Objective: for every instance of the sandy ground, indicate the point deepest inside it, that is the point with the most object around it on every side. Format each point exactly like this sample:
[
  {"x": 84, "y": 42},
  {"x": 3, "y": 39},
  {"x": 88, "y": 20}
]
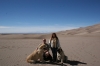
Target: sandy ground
[{"x": 81, "y": 51}]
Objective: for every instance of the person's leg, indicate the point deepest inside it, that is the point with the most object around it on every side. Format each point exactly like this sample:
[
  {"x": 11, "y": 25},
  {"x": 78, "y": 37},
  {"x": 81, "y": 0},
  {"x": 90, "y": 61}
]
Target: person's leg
[
  {"x": 44, "y": 56},
  {"x": 54, "y": 53},
  {"x": 52, "y": 49},
  {"x": 50, "y": 58}
]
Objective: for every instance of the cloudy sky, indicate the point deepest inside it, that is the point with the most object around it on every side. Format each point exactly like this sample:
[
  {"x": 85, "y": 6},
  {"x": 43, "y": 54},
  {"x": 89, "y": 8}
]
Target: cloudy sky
[{"x": 29, "y": 16}]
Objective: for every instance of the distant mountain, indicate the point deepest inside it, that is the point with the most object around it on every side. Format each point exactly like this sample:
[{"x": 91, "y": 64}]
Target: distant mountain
[{"x": 89, "y": 30}]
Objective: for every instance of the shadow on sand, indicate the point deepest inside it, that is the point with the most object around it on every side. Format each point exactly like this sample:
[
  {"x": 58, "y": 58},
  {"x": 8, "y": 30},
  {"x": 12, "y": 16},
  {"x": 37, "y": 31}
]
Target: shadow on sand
[
  {"x": 71, "y": 62},
  {"x": 51, "y": 63},
  {"x": 74, "y": 63}
]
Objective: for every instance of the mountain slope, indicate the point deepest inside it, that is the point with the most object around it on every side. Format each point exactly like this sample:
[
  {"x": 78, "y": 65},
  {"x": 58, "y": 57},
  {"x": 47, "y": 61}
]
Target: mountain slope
[{"x": 89, "y": 30}]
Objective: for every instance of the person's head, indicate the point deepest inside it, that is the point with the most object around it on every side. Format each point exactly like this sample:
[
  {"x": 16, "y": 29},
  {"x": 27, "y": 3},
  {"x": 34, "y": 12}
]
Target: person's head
[
  {"x": 54, "y": 36},
  {"x": 44, "y": 40}
]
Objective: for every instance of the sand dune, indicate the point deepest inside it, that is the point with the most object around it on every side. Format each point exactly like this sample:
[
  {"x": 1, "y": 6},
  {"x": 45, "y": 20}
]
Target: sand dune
[
  {"x": 81, "y": 46},
  {"x": 89, "y": 30}
]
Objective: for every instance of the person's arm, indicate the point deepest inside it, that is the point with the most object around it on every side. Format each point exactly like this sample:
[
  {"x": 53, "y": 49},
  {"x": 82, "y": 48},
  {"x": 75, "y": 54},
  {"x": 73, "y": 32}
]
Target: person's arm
[
  {"x": 49, "y": 43},
  {"x": 59, "y": 44}
]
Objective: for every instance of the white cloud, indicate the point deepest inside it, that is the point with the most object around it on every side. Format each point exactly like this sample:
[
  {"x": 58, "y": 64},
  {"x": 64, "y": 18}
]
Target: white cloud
[
  {"x": 33, "y": 29},
  {"x": 4, "y": 27}
]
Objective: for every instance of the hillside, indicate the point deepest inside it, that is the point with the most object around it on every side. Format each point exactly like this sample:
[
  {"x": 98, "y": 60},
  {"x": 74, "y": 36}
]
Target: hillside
[{"x": 89, "y": 30}]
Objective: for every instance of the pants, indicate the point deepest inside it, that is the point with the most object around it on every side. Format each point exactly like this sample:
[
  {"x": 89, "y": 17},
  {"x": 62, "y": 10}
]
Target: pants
[
  {"x": 54, "y": 54},
  {"x": 46, "y": 58}
]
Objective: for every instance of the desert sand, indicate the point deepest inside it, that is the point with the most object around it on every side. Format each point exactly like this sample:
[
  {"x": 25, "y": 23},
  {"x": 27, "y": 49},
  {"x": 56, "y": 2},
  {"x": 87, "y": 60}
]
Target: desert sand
[{"x": 82, "y": 49}]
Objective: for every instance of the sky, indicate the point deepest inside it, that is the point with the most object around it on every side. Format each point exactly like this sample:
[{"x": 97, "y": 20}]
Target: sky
[{"x": 42, "y": 16}]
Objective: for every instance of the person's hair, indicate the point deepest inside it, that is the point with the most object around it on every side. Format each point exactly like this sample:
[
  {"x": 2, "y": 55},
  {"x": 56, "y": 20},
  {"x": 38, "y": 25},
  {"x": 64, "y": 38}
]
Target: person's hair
[
  {"x": 44, "y": 39},
  {"x": 54, "y": 37}
]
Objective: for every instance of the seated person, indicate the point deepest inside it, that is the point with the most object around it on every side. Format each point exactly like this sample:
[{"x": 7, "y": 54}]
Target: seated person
[{"x": 46, "y": 54}]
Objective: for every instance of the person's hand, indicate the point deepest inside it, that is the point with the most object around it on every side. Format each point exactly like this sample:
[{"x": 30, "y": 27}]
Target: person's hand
[
  {"x": 47, "y": 53},
  {"x": 45, "y": 50}
]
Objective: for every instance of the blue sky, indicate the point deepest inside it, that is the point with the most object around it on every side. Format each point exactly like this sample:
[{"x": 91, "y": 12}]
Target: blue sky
[{"x": 29, "y": 16}]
